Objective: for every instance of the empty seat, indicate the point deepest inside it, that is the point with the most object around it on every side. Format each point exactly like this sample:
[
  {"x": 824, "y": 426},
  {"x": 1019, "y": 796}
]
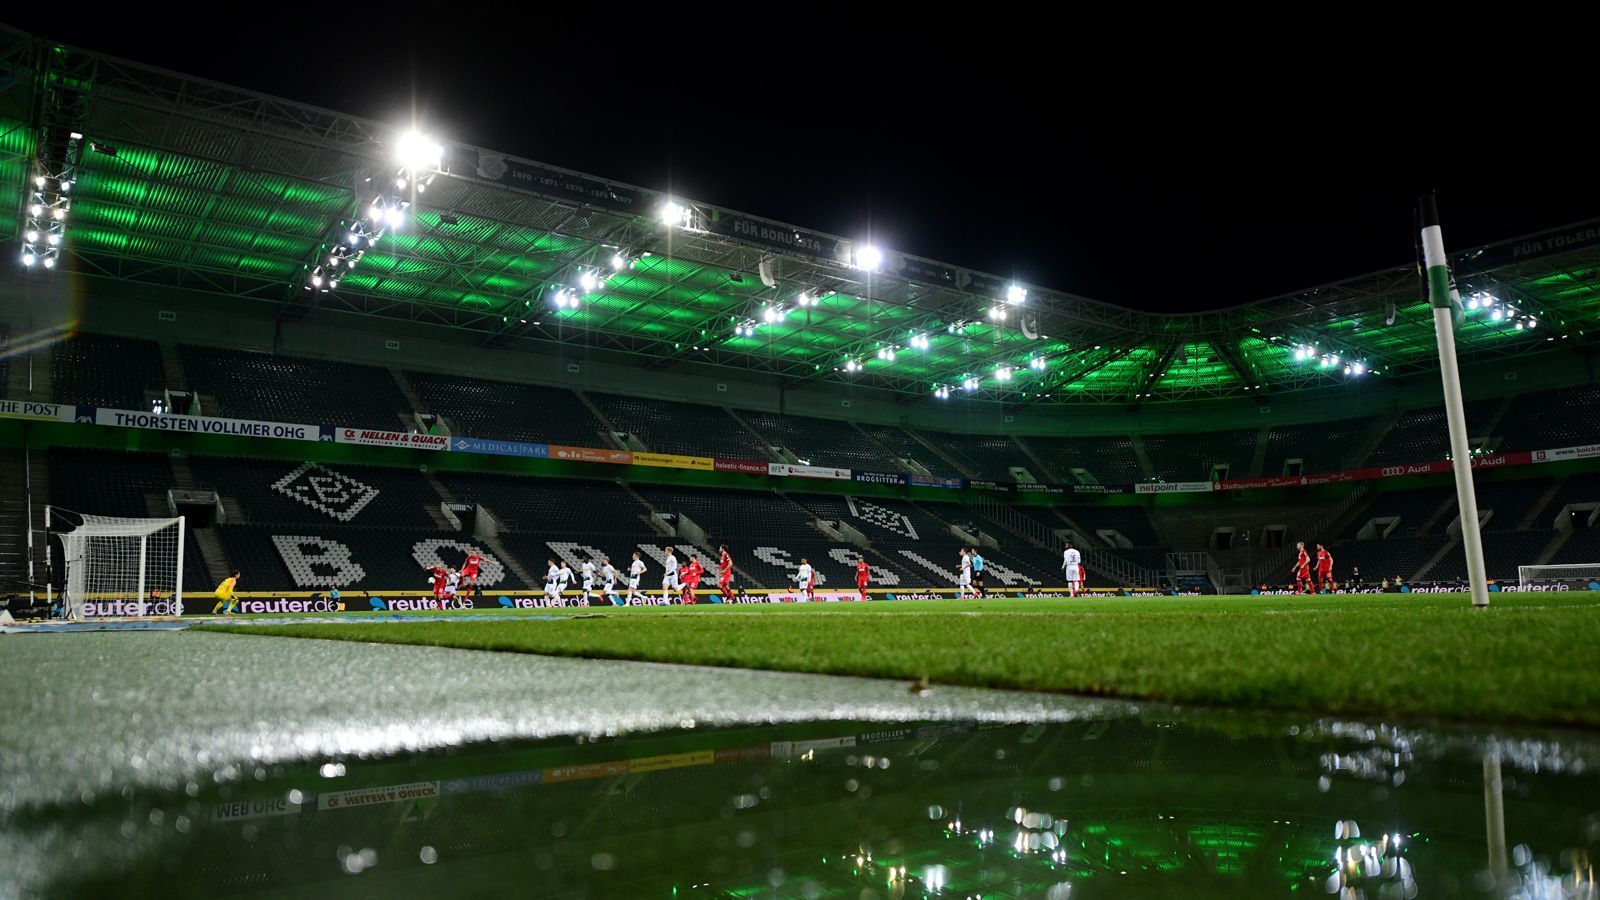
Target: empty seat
[
  {"x": 99, "y": 370},
  {"x": 274, "y": 388},
  {"x": 508, "y": 410}
]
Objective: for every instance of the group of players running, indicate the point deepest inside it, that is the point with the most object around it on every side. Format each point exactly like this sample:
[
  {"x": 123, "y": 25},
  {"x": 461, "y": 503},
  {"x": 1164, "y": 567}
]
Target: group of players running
[{"x": 597, "y": 579}]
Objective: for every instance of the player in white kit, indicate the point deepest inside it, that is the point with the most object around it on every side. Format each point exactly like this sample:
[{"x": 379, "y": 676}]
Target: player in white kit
[
  {"x": 965, "y": 583},
  {"x": 635, "y": 572},
  {"x": 452, "y": 580},
  {"x": 669, "y": 578},
  {"x": 609, "y": 573},
  {"x": 1072, "y": 569},
  {"x": 806, "y": 578},
  {"x": 587, "y": 572},
  {"x": 565, "y": 574},
  {"x": 552, "y": 584}
]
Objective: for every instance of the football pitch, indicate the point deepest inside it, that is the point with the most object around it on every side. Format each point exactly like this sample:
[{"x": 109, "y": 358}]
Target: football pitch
[{"x": 1532, "y": 658}]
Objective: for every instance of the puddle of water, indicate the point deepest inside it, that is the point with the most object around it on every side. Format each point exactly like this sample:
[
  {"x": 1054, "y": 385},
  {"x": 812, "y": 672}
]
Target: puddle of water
[{"x": 1166, "y": 804}]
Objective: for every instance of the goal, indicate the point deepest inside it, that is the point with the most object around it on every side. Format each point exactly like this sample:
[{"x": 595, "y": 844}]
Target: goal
[
  {"x": 1578, "y": 575},
  {"x": 113, "y": 566}
]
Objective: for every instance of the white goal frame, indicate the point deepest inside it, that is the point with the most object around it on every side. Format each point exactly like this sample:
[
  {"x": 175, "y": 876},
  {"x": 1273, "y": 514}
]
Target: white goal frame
[
  {"x": 1568, "y": 572},
  {"x": 113, "y": 558}
]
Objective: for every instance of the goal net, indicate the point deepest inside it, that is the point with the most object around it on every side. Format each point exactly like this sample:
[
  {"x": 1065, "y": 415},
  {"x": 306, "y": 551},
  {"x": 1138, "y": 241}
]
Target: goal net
[
  {"x": 115, "y": 566},
  {"x": 1573, "y": 576}
]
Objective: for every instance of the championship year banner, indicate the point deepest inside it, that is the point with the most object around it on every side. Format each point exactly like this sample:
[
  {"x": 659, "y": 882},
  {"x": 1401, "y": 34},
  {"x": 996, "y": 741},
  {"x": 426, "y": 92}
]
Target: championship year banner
[
  {"x": 127, "y": 418},
  {"x": 670, "y": 461},
  {"x": 376, "y": 438}
]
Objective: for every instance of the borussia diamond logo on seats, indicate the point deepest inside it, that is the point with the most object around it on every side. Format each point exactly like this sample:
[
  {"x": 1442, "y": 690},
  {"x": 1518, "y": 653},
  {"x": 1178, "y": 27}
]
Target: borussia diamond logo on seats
[
  {"x": 887, "y": 519},
  {"x": 333, "y": 493}
]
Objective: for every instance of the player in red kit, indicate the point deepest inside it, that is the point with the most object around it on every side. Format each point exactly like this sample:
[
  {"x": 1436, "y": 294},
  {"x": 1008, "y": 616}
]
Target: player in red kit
[
  {"x": 1302, "y": 569},
  {"x": 469, "y": 571},
  {"x": 1324, "y": 569},
  {"x": 437, "y": 576},
  {"x": 691, "y": 579},
  {"x": 863, "y": 574},
  {"x": 725, "y": 575}
]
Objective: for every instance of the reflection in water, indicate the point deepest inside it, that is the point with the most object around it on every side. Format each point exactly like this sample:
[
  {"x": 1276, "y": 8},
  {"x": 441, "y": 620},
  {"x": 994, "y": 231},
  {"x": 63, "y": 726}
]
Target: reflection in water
[{"x": 1167, "y": 805}]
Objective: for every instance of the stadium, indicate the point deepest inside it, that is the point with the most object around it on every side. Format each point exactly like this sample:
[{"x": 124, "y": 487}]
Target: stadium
[{"x": 385, "y": 515}]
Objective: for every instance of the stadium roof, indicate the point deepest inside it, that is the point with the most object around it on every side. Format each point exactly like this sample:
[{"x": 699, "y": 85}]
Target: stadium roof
[{"x": 182, "y": 183}]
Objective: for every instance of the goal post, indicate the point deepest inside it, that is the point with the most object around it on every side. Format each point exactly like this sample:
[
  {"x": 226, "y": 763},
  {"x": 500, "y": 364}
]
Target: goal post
[
  {"x": 1569, "y": 574},
  {"x": 117, "y": 566}
]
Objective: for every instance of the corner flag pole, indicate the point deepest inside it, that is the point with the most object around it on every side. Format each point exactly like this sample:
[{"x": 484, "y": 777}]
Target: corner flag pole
[{"x": 1444, "y": 300}]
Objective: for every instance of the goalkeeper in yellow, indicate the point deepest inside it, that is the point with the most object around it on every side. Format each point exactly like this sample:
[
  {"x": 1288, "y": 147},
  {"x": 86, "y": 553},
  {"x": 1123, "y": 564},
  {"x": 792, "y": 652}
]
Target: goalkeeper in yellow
[{"x": 225, "y": 596}]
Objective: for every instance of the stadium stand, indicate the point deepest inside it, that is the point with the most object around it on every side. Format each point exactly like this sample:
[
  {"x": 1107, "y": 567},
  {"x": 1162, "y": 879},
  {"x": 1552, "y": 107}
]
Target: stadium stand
[
  {"x": 1413, "y": 508},
  {"x": 904, "y": 446},
  {"x": 1581, "y": 548},
  {"x": 1110, "y": 460},
  {"x": 1563, "y": 418},
  {"x": 1131, "y": 521},
  {"x": 114, "y": 372},
  {"x": 273, "y": 388},
  {"x": 686, "y": 429},
  {"x": 509, "y": 410},
  {"x": 1511, "y": 501},
  {"x": 1420, "y": 435},
  {"x": 988, "y": 456},
  {"x": 821, "y": 442},
  {"x": 1190, "y": 457},
  {"x": 1503, "y": 552},
  {"x": 552, "y": 506},
  {"x": 1579, "y": 488},
  {"x": 317, "y": 557},
  {"x": 276, "y": 492},
  {"x": 1321, "y": 446},
  {"x": 1390, "y": 558},
  {"x": 728, "y": 516}
]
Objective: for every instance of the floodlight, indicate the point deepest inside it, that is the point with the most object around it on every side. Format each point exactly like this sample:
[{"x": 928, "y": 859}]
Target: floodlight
[
  {"x": 33, "y": 235},
  {"x": 1497, "y": 315},
  {"x": 49, "y": 262},
  {"x": 1016, "y": 293},
  {"x": 27, "y": 257},
  {"x": 588, "y": 281},
  {"x": 868, "y": 257},
  {"x": 39, "y": 182},
  {"x": 417, "y": 152},
  {"x": 618, "y": 261},
  {"x": 671, "y": 214}
]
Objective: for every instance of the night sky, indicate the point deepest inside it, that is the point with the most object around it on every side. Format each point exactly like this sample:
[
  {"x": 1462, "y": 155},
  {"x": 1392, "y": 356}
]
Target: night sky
[{"x": 1160, "y": 173}]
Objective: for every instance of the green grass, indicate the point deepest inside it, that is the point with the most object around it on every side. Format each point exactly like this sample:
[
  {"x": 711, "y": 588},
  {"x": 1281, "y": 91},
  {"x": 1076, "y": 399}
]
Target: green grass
[{"x": 1529, "y": 658}]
